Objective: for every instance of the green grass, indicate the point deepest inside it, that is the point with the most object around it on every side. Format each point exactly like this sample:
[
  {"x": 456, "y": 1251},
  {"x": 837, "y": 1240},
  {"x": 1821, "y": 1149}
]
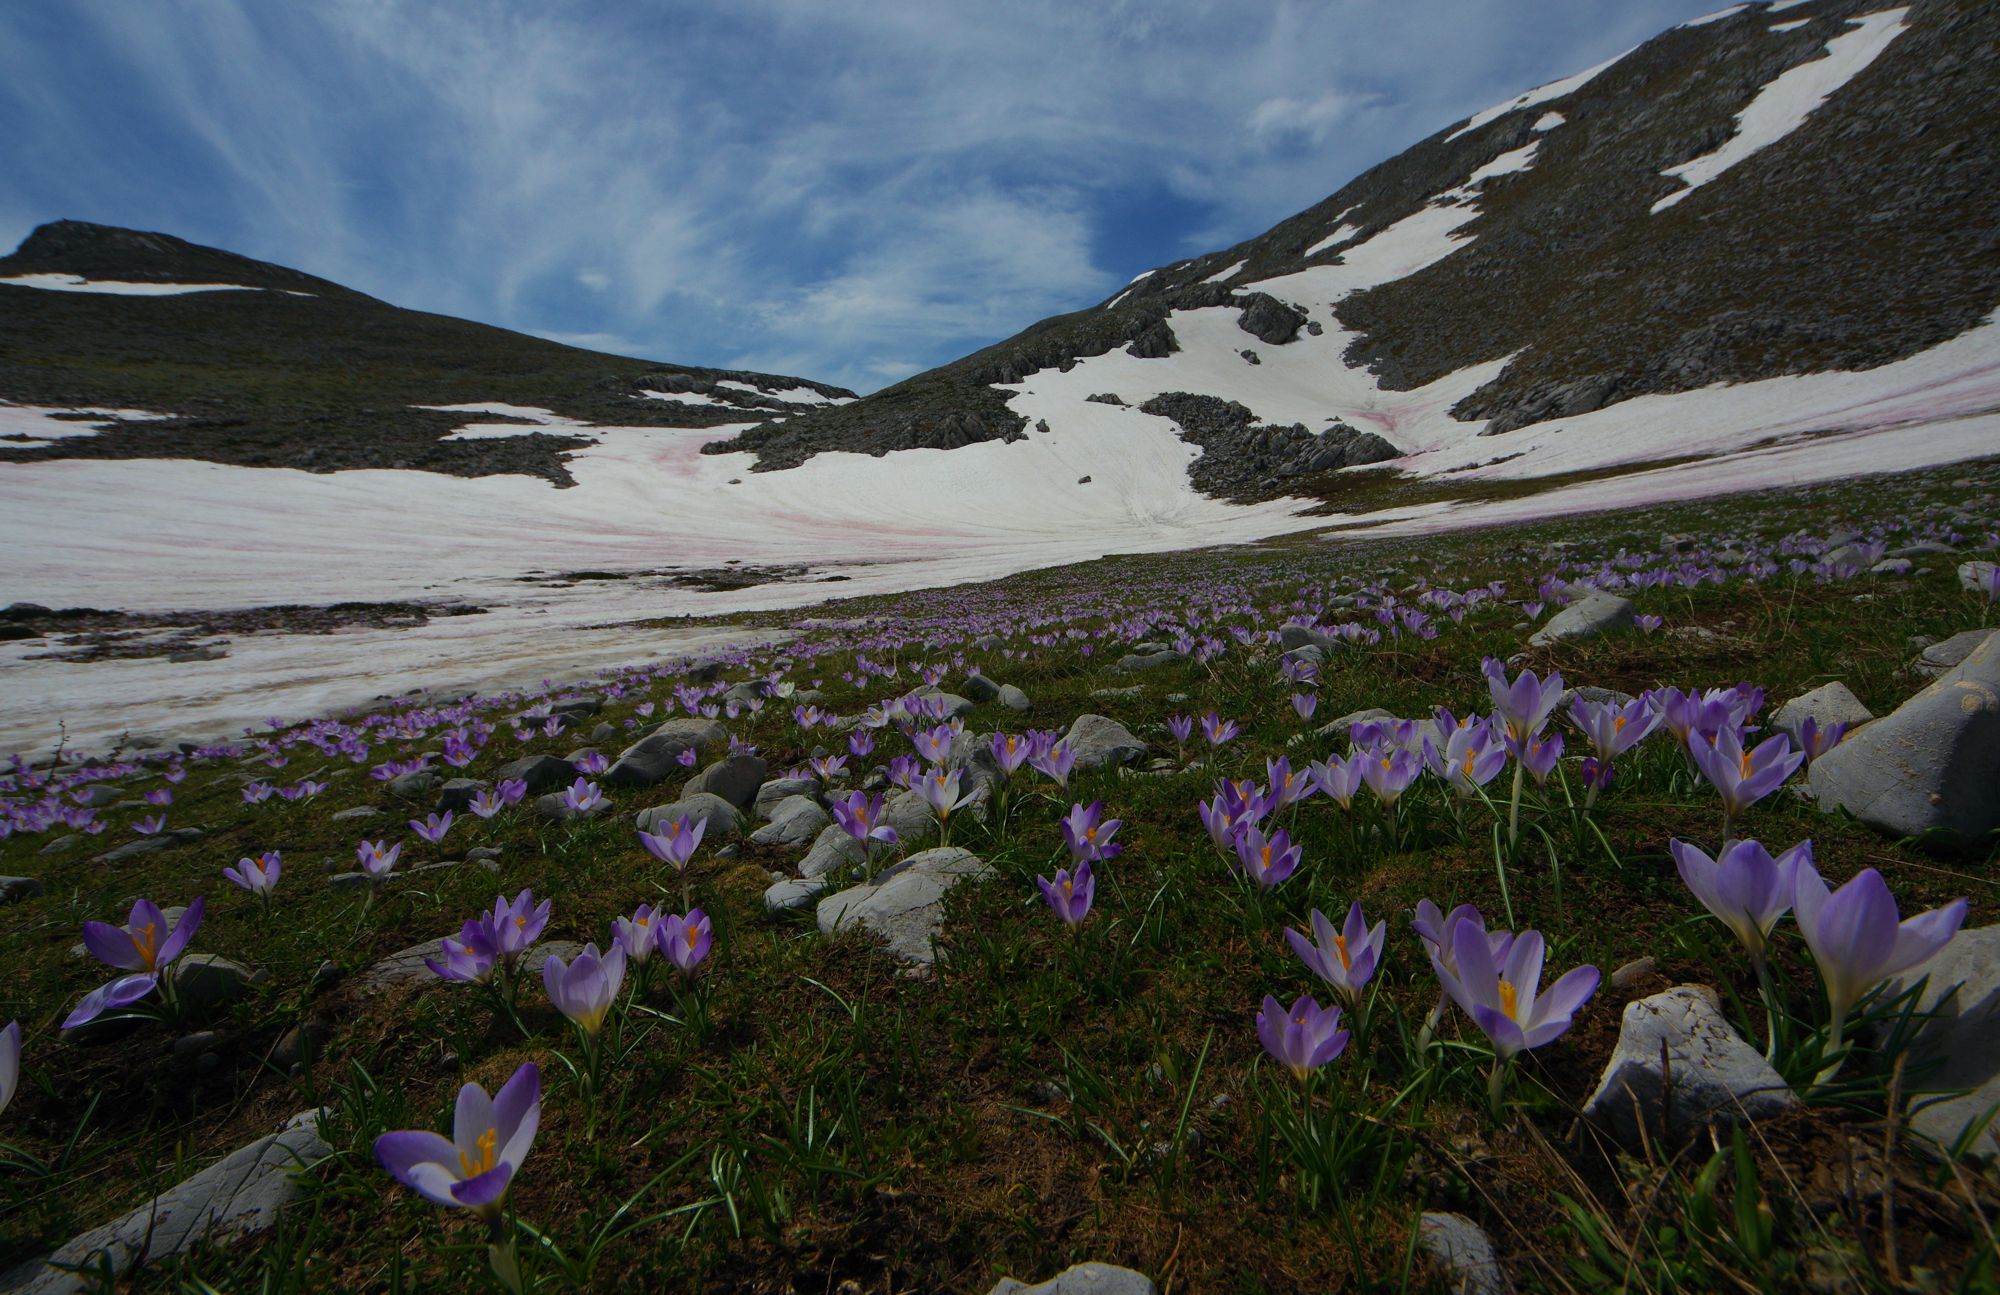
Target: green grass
[{"x": 1043, "y": 1099}]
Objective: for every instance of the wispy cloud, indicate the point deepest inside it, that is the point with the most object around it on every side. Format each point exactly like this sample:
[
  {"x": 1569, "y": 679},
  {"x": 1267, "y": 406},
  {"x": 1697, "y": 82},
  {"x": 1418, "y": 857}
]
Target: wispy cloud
[{"x": 848, "y": 192}]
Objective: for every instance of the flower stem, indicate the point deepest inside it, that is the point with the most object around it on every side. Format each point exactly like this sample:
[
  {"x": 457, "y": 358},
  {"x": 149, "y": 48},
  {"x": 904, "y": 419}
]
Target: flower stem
[
  {"x": 1496, "y": 1084},
  {"x": 1773, "y": 1010},
  {"x": 1514, "y": 811}
]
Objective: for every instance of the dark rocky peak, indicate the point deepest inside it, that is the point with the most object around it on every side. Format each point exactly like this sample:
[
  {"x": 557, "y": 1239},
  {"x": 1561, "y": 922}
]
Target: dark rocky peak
[{"x": 136, "y": 256}]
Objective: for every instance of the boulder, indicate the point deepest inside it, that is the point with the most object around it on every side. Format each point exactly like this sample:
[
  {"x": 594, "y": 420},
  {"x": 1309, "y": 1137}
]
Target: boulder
[
  {"x": 1462, "y": 1248},
  {"x": 1014, "y": 699},
  {"x": 1940, "y": 657},
  {"x": 146, "y": 845},
  {"x": 779, "y": 790},
  {"x": 1710, "y": 1074},
  {"x": 1082, "y": 1279},
  {"x": 656, "y": 757},
  {"x": 1931, "y": 764},
  {"x": 552, "y": 806},
  {"x": 457, "y": 793},
  {"x": 904, "y": 904},
  {"x": 540, "y": 772},
  {"x": 406, "y": 966},
  {"x": 1099, "y": 741},
  {"x": 1975, "y": 577},
  {"x": 979, "y": 688},
  {"x": 795, "y": 822},
  {"x": 736, "y": 779},
  {"x": 238, "y": 1196},
  {"x": 911, "y": 816},
  {"x": 1596, "y": 613},
  {"x": 205, "y": 981},
  {"x": 833, "y": 848},
  {"x": 414, "y": 785},
  {"x": 1150, "y": 660},
  {"x": 15, "y": 889},
  {"x": 1827, "y": 705},
  {"x": 1956, "y": 1054},
  {"x": 793, "y": 893},
  {"x": 724, "y": 819}
]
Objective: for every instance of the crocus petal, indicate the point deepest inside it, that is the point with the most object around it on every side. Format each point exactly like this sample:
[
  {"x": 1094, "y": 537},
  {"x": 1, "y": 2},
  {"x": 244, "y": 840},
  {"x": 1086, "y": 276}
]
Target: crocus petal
[
  {"x": 1506, "y": 1035},
  {"x": 472, "y": 1120},
  {"x": 421, "y": 1161},
  {"x": 122, "y": 992},
  {"x": 183, "y": 931},
  {"x": 517, "y": 1112},
  {"x": 111, "y": 946},
  {"x": 1923, "y": 935},
  {"x": 483, "y": 1190}
]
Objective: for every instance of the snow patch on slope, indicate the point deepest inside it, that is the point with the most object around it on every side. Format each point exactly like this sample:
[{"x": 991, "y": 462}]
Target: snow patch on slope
[
  {"x": 1229, "y": 273},
  {"x": 35, "y": 427},
  {"x": 1717, "y": 16},
  {"x": 77, "y": 283},
  {"x": 1783, "y": 106},
  {"x": 1540, "y": 94}
]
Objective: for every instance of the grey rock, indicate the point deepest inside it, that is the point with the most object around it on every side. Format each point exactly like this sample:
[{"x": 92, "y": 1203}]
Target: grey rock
[
  {"x": 1014, "y": 699},
  {"x": 1596, "y": 613},
  {"x": 1975, "y": 577},
  {"x": 403, "y": 872},
  {"x": 1711, "y": 1074},
  {"x": 793, "y": 894},
  {"x": 15, "y": 889},
  {"x": 979, "y": 688},
  {"x": 1601, "y": 696},
  {"x": 1112, "y": 694},
  {"x": 736, "y": 779},
  {"x": 904, "y": 904},
  {"x": 356, "y": 814},
  {"x": 832, "y": 849},
  {"x": 146, "y": 845},
  {"x": 911, "y": 816},
  {"x": 1827, "y": 705},
  {"x": 1632, "y": 972},
  {"x": 457, "y": 794},
  {"x": 406, "y": 966},
  {"x": 1922, "y": 549},
  {"x": 1891, "y": 567},
  {"x": 540, "y": 772},
  {"x": 1150, "y": 661},
  {"x": 98, "y": 795},
  {"x": 61, "y": 845},
  {"x": 483, "y": 854},
  {"x": 1962, "y": 1040},
  {"x": 1342, "y": 728},
  {"x": 1931, "y": 764},
  {"x": 724, "y": 819},
  {"x": 414, "y": 785},
  {"x": 779, "y": 790},
  {"x": 1293, "y": 637},
  {"x": 956, "y": 707},
  {"x": 551, "y": 805},
  {"x": 1940, "y": 657},
  {"x": 239, "y": 1196},
  {"x": 656, "y": 757},
  {"x": 1082, "y": 1279},
  {"x": 796, "y": 821},
  {"x": 1100, "y": 741},
  {"x": 189, "y": 1045},
  {"x": 205, "y": 981},
  {"x": 1462, "y": 1248}
]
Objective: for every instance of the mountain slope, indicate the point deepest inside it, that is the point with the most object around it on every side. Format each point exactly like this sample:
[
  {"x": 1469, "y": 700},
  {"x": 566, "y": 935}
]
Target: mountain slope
[
  {"x": 258, "y": 365},
  {"x": 1549, "y": 258}
]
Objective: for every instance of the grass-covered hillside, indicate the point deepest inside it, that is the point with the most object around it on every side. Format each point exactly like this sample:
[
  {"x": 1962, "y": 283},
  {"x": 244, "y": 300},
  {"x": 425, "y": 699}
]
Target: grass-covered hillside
[{"x": 992, "y": 1090}]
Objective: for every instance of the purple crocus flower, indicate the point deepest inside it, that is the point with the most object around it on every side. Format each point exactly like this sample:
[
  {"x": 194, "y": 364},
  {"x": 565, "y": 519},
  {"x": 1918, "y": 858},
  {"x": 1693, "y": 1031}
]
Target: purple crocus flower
[
  {"x": 1646, "y": 622},
  {"x": 511, "y": 790},
  {"x": 256, "y": 793},
  {"x": 584, "y": 990},
  {"x": 1056, "y": 762},
  {"x": 1181, "y": 727},
  {"x": 686, "y": 940},
  {"x": 512, "y": 928},
  {"x": 860, "y": 743},
  {"x": 470, "y": 957},
  {"x": 1816, "y": 741},
  {"x": 1345, "y": 959},
  {"x": 1287, "y": 786},
  {"x": 1387, "y": 772},
  {"x": 1470, "y": 759},
  {"x": 939, "y": 789},
  {"x": 159, "y": 796},
  {"x": 1858, "y": 939},
  {"x": 590, "y": 763},
  {"x": 1218, "y": 730},
  {"x": 1088, "y": 835},
  {"x": 1440, "y": 939},
  {"x": 1268, "y": 860},
  {"x": 1744, "y": 777},
  {"x": 10, "y": 1063},
  {"x": 1523, "y": 705},
  {"x": 144, "y": 946},
  {"x": 490, "y": 1139},
  {"x": 432, "y": 827},
  {"x": 1538, "y": 755},
  {"x": 582, "y": 796},
  {"x": 1614, "y": 730},
  {"x": 686, "y": 758},
  {"x": 1302, "y": 1039},
  {"x": 1009, "y": 751},
  {"x": 151, "y": 825},
  {"x": 259, "y": 876},
  {"x": 1070, "y": 893},
  {"x": 1337, "y": 779},
  {"x": 1305, "y": 703},
  {"x": 1596, "y": 775},
  {"x": 637, "y": 935},
  {"x": 377, "y": 859},
  {"x": 675, "y": 843},
  {"x": 485, "y": 804},
  {"x": 1746, "y": 889},
  {"x": 828, "y": 767},
  {"x": 933, "y": 745},
  {"x": 1503, "y": 998},
  {"x": 860, "y": 816}
]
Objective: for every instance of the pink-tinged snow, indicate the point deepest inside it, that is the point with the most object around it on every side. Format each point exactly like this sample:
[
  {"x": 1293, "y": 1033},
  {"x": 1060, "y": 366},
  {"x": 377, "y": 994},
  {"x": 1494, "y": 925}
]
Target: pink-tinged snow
[
  {"x": 1548, "y": 121},
  {"x": 1226, "y": 274},
  {"x": 1539, "y": 95},
  {"x": 1340, "y": 234},
  {"x": 1717, "y": 16},
  {"x": 1783, "y": 106},
  {"x": 1793, "y": 25},
  {"x": 33, "y": 427},
  {"x": 77, "y": 283}
]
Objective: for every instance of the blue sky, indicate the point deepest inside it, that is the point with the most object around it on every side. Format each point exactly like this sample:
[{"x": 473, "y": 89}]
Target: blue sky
[{"x": 849, "y": 191}]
